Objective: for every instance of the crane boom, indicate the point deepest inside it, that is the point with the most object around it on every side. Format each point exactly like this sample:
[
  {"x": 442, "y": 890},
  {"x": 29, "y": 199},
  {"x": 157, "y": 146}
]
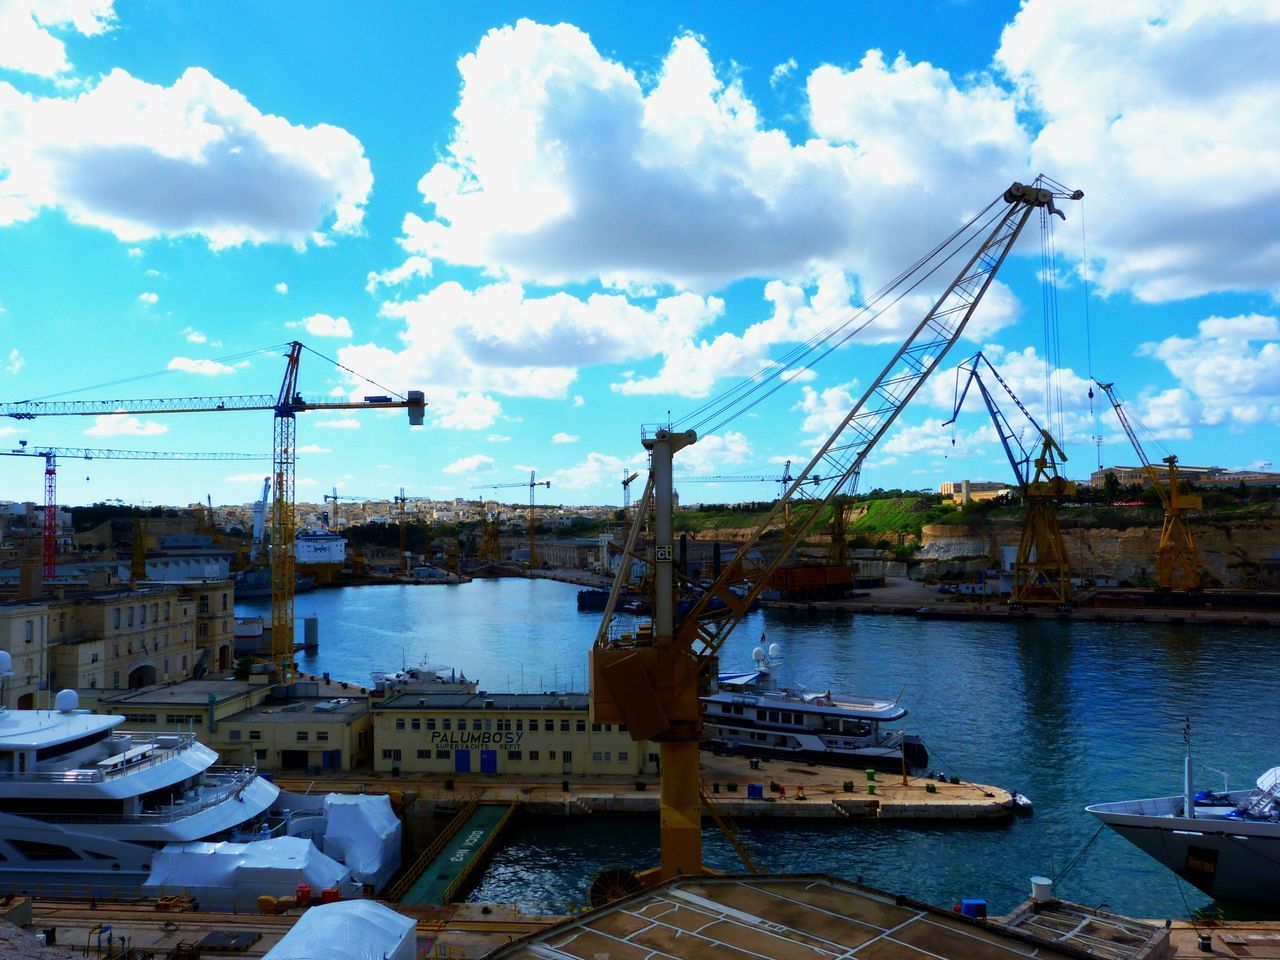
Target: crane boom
[
  {"x": 840, "y": 458},
  {"x": 1177, "y": 557},
  {"x": 650, "y": 680}
]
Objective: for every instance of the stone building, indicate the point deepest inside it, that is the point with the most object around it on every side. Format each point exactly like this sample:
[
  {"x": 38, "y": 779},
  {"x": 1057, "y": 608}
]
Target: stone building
[{"x": 509, "y": 735}]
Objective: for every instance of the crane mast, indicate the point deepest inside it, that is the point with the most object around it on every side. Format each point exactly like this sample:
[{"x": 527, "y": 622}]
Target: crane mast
[
  {"x": 1041, "y": 569},
  {"x": 1177, "y": 557},
  {"x": 650, "y": 680}
]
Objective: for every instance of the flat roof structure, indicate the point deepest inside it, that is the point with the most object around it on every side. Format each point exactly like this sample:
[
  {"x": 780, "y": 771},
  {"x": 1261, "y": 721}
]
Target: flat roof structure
[
  {"x": 186, "y": 693},
  {"x": 412, "y": 700},
  {"x": 338, "y": 709},
  {"x": 807, "y": 917}
]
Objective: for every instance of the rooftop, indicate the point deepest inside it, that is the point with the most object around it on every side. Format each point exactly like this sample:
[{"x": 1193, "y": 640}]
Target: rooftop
[
  {"x": 789, "y": 918},
  {"x": 481, "y": 701},
  {"x": 192, "y": 693},
  {"x": 303, "y": 710}
]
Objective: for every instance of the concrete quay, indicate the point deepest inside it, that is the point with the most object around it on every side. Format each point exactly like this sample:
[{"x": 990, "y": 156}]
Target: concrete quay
[{"x": 805, "y": 792}]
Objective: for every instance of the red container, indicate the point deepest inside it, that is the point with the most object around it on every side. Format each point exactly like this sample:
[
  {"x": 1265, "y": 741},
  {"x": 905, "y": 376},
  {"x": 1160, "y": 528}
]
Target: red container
[
  {"x": 304, "y": 894},
  {"x": 330, "y": 895}
]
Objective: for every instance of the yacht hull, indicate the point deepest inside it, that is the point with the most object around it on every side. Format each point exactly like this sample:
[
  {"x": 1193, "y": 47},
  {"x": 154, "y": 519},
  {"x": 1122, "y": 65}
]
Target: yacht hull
[{"x": 1228, "y": 859}]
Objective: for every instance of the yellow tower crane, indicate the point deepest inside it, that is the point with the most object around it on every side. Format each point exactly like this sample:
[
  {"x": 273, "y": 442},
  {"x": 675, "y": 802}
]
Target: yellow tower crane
[
  {"x": 1177, "y": 558},
  {"x": 1041, "y": 570},
  {"x": 285, "y": 406},
  {"x": 650, "y": 679},
  {"x": 532, "y": 484}
]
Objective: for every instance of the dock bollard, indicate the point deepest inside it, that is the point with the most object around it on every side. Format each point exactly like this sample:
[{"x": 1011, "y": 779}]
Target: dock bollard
[
  {"x": 871, "y": 773},
  {"x": 871, "y": 788}
]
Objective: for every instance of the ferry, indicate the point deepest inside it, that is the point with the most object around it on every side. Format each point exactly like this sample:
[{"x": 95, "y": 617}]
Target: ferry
[
  {"x": 84, "y": 804},
  {"x": 1227, "y": 844},
  {"x": 750, "y": 714}
]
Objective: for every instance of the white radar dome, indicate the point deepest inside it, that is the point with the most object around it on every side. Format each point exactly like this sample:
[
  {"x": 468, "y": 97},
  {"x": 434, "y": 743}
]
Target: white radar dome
[
  {"x": 758, "y": 654},
  {"x": 6, "y": 663},
  {"x": 775, "y": 651},
  {"x": 66, "y": 701}
]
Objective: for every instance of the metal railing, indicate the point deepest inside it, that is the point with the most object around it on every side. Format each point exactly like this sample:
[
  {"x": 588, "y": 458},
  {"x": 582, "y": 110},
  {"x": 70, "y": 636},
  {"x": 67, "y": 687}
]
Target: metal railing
[
  {"x": 411, "y": 874},
  {"x": 87, "y": 775},
  {"x": 229, "y": 780}
]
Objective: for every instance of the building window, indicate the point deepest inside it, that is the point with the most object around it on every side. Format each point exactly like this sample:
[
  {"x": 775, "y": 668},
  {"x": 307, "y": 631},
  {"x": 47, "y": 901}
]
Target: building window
[
  {"x": 204, "y": 603},
  {"x": 166, "y": 609},
  {"x": 582, "y": 726},
  {"x": 488, "y": 725},
  {"x": 446, "y": 724},
  {"x": 416, "y": 723},
  {"x": 234, "y": 735},
  {"x": 115, "y": 680},
  {"x": 139, "y": 718},
  {"x": 564, "y": 726},
  {"x": 184, "y": 663},
  {"x": 551, "y": 754},
  {"x": 597, "y": 756},
  {"x": 224, "y": 601},
  {"x": 255, "y": 734},
  {"x": 399, "y": 723},
  {"x": 533, "y": 754},
  {"x": 182, "y": 719},
  {"x": 259, "y": 754},
  {"x": 129, "y": 618},
  {"x": 595, "y": 728},
  {"x": 202, "y": 630},
  {"x": 431, "y": 723},
  {"x": 442, "y": 754},
  {"x": 322, "y": 735},
  {"x": 303, "y": 736},
  {"x": 116, "y": 621},
  {"x": 424, "y": 754},
  {"x": 533, "y": 726},
  {"x": 653, "y": 758},
  {"x": 475, "y": 724},
  {"x": 62, "y": 622},
  {"x": 142, "y": 615},
  {"x": 391, "y": 755},
  {"x": 520, "y": 725},
  {"x": 93, "y": 658},
  {"x": 513, "y": 754},
  {"x": 622, "y": 756}
]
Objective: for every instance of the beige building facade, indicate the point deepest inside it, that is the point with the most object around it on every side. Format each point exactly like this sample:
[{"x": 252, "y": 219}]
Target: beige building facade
[
  {"x": 514, "y": 734},
  {"x": 24, "y": 635}
]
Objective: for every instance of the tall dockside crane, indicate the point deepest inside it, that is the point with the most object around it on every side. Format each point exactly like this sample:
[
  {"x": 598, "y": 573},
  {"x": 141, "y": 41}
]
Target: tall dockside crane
[
  {"x": 1041, "y": 570},
  {"x": 259, "y": 519},
  {"x": 285, "y": 406},
  {"x": 533, "y": 484},
  {"x": 650, "y": 679},
  {"x": 1177, "y": 558},
  {"x": 49, "y": 538},
  {"x": 401, "y": 501}
]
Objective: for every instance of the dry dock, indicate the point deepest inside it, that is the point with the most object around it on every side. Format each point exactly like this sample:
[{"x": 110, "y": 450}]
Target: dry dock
[{"x": 803, "y": 791}]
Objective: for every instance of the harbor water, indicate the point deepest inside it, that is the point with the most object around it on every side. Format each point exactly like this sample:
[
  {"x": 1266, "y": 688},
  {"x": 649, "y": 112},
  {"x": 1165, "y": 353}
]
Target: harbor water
[{"x": 1067, "y": 712}]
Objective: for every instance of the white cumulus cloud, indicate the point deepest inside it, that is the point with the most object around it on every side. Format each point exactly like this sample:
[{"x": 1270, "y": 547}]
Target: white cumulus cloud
[
  {"x": 27, "y": 40},
  {"x": 282, "y": 288},
  {"x": 121, "y": 425},
  {"x": 475, "y": 463},
  {"x": 204, "y": 368},
  {"x": 323, "y": 325},
  {"x": 565, "y": 438},
  {"x": 194, "y": 336},
  {"x": 196, "y": 158},
  {"x": 149, "y": 298},
  {"x": 16, "y": 362}
]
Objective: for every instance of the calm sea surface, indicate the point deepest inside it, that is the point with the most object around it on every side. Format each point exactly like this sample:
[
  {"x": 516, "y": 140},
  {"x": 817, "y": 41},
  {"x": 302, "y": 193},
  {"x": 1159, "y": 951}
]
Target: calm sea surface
[{"x": 1069, "y": 713}]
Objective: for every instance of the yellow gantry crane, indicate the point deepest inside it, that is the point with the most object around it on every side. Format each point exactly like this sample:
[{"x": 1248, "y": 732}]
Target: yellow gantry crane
[
  {"x": 650, "y": 679},
  {"x": 1041, "y": 570},
  {"x": 1177, "y": 558},
  {"x": 285, "y": 406}
]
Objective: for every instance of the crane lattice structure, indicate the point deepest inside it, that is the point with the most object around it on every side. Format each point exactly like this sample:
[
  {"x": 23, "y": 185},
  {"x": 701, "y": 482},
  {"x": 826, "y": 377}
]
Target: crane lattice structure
[
  {"x": 650, "y": 679},
  {"x": 532, "y": 484},
  {"x": 49, "y": 533},
  {"x": 1041, "y": 569},
  {"x": 285, "y": 407},
  {"x": 1177, "y": 557}
]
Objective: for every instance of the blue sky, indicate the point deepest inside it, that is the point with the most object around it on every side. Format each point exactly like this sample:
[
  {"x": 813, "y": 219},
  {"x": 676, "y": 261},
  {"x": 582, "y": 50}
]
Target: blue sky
[{"x": 562, "y": 221}]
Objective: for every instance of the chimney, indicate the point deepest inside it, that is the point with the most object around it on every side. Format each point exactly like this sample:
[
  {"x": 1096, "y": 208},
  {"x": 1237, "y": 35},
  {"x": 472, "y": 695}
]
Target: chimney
[{"x": 28, "y": 579}]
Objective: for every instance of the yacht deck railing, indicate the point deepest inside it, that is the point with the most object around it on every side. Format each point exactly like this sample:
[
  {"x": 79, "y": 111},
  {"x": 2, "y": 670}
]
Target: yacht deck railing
[
  {"x": 98, "y": 774},
  {"x": 227, "y": 781}
]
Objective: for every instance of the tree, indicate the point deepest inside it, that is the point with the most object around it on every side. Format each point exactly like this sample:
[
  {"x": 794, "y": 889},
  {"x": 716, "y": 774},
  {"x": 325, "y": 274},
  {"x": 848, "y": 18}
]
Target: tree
[{"x": 1110, "y": 486}]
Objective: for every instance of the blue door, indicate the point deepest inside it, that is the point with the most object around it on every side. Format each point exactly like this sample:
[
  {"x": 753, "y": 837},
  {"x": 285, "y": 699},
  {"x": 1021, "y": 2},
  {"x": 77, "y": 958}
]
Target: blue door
[
  {"x": 488, "y": 761},
  {"x": 462, "y": 761}
]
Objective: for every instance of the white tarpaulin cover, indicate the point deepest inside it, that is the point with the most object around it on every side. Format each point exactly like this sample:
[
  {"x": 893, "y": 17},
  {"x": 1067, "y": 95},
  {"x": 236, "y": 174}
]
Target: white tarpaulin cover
[
  {"x": 244, "y": 871},
  {"x": 351, "y": 930},
  {"x": 362, "y": 831}
]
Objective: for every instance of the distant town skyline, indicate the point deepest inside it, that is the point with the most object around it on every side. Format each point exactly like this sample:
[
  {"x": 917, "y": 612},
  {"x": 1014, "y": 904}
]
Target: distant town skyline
[{"x": 565, "y": 220}]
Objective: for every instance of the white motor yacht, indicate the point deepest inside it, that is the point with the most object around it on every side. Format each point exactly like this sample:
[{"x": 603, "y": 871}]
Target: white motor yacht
[
  {"x": 751, "y": 715},
  {"x": 83, "y": 803}
]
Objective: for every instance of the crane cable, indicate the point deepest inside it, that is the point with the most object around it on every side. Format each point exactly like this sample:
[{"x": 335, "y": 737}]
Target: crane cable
[{"x": 723, "y": 409}]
